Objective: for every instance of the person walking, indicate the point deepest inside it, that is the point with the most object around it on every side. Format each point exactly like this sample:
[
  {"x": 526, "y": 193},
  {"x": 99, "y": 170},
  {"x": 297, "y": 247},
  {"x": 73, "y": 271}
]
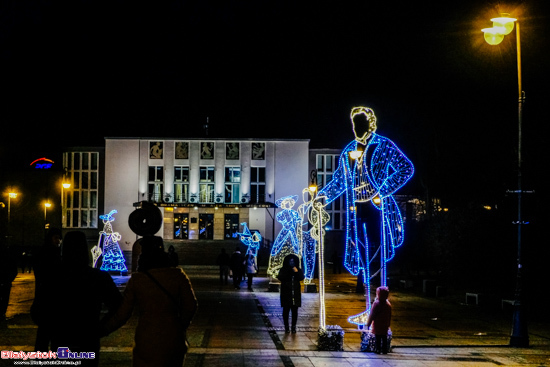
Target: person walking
[
  {"x": 380, "y": 318},
  {"x": 290, "y": 276},
  {"x": 166, "y": 302},
  {"x": 251, "y": 267},
  {"x": 223, "y": 262},
  {"x": 236, "y": 264},
  {"x": 173, "y": 255},
  {"x": 8, "y": 273}
]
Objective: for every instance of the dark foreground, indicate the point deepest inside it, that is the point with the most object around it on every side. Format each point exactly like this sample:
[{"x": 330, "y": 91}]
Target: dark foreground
[{"x": 244, "y": 328}]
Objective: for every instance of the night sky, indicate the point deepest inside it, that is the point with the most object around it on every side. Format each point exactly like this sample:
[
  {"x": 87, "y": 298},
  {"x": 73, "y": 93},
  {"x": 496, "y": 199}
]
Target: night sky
[{"x": 77, "y": 71}]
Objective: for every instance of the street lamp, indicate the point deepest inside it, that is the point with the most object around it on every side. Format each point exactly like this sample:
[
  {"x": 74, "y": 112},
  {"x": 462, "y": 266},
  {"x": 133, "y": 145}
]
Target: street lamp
[
  {"x": 64, "y": 186},
  {"x": 502, "y": 26},
  {"x": 11, "y": 195},
  {"x": 46, "y": 206}
]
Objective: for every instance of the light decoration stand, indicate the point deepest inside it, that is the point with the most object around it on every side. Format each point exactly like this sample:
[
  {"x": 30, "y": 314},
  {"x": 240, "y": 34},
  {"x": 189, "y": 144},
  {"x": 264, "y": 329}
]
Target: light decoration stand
[
  {"x": 308, "y": 244},
  {"x": 371, "y": 169},
  {"x": 329, "y": 337},
  {"x": 251, "y": 240},
  {"x": 107, "y": 245}
]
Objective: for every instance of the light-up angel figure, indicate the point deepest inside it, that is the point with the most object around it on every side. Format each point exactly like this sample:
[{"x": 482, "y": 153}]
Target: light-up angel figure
[
  {"x": 251, "y": 240},
  {"x": 113, "y": 260},
  {"x": 370, "y": 169},
  {"x": 286, "y": 241}
]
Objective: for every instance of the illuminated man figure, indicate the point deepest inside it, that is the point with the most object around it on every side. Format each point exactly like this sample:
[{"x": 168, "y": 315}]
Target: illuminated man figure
[
  {"x": 371, "y": 168},
  {"x": 287, "y": 240}
]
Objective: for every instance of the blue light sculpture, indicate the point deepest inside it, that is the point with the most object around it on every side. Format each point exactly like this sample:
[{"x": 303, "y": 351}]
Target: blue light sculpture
[
  {"x": 371, "y": 169},
  {"x": 113, "y": 260},
  {"x": 251, "y": 240}
]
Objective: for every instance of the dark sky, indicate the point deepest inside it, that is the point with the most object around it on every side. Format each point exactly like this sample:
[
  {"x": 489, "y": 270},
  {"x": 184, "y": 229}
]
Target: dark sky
[{"x": 83, "y": 70}]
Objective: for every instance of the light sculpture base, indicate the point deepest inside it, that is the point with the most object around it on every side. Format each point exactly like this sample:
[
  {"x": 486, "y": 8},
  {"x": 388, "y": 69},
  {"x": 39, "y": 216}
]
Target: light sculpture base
[
  {"x": 331, "y": 338},
  {"x": 368, "y": 341}
]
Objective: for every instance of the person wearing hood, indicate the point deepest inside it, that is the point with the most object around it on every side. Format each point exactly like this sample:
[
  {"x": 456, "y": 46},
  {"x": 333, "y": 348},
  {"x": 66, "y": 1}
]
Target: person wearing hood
[
  {"x": 290, "y": 276},
  {"x": 379, "y": 318},
  {"x": 166, "y": 302}
]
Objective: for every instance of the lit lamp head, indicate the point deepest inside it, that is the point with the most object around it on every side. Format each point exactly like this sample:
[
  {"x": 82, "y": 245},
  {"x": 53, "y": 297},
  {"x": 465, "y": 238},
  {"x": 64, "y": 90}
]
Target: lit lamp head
[
  {"x": 494, "y": 35},
  {"x": 502, "y": 26},
  {"x": 504, "y": 21}
]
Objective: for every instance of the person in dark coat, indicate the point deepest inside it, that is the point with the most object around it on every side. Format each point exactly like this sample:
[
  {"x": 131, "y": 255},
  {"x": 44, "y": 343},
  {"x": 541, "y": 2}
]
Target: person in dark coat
[
  {"x": 46, "y": 262},
  {"x": 223, "y": 262},
  {"x": 81, "y": 292},
  {"x": 166, "y": 302},
  {"x": 379, "y": 318},
  {"x": 8, "y": 273},
  {"x": 236, "y": 264},
  {"x": 290, "y": 276},
  {"x": 173, "y": 255}
]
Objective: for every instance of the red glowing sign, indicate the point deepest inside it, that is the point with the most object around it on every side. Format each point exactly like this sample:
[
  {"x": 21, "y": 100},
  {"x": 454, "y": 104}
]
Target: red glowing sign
[{"x": 42, "y": 163}]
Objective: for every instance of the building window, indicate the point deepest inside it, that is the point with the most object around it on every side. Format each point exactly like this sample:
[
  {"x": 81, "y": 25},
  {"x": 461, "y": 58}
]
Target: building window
[
  {"x": 156, "y": 183},
  {"x": 257, "y": 184},
  {"x": 181, "y": 184},
  {"x": 206, "y": 226},
  {"x": 232, "y": 184},
  {"x": 80, "y": 200},
  {"x": 326, "y": 164},
  {"x": 206, "y": 185},
  {"x": 231, "y": 225},
  {"x": 181, "y": 226}
]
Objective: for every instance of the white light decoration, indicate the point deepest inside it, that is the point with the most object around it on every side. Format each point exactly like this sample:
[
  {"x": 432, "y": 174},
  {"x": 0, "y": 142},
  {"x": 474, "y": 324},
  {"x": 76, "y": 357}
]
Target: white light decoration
[
  {"x": 371, "y": 169},
  {"x": 107, "y": 245},
  {"x": 318, "y": 218}
]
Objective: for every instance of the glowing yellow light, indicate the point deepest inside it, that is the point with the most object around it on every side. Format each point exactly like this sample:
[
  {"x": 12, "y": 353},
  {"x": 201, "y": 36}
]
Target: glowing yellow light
[
  {"x": 505, "y": 22},
  {"x": 313, "y": 188},
  {"x": 494, "y": 35},
  {"x": 487, "y": 207},
  {"x": 12, "y": 195},
  {"x": 47, "y": 205},
  {"x": 66, "y": 185}
]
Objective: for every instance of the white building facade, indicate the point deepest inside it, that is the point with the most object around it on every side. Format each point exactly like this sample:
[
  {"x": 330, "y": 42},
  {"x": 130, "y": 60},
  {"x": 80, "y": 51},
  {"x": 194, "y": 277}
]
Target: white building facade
[{"x": 205, "y": 188}]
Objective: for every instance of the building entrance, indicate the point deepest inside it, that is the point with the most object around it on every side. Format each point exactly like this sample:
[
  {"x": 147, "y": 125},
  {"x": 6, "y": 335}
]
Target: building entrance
[
  {"x": 206, "y": 226},
  {"x": 181, "y": 226}
]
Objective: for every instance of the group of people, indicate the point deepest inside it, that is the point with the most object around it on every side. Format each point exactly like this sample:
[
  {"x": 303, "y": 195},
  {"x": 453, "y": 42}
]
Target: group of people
[
  {"x": 70, "y": 297},
  {"x": 239, "y": 266}
]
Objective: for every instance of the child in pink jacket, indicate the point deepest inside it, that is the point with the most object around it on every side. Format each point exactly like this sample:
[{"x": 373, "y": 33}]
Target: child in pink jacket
[{"x": 379, "y": 318}]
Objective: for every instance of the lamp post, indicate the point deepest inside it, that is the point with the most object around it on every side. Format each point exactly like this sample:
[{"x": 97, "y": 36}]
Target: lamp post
[
  {"x": 46, "y": 206},
  {"x": 64, "y": 186},
  {"x": 502, "y": 26},
  {"x": 11, "y": 195}
]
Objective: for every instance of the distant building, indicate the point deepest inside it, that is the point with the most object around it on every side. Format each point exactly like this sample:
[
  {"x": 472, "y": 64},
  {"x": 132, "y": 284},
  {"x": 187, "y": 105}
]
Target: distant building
[{"x": 204, "y": 187}]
